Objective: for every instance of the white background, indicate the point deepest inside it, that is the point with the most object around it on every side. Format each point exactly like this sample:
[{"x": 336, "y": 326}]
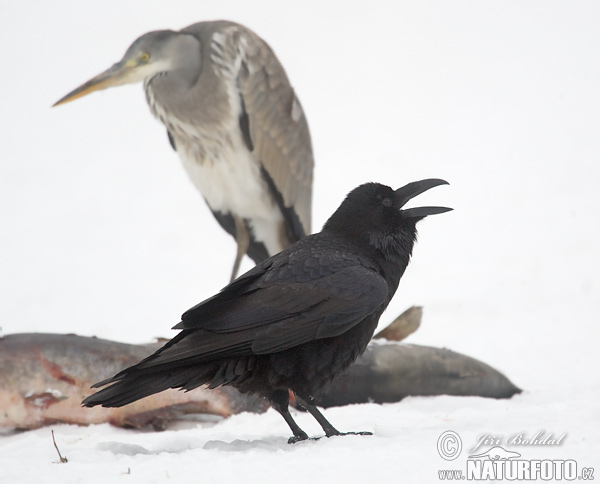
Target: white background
[{"x": 103, "y": 234}]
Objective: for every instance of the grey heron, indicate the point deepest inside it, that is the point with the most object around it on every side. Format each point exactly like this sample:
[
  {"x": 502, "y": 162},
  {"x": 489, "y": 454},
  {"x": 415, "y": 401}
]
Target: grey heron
[{"x": 236, "y": 123}]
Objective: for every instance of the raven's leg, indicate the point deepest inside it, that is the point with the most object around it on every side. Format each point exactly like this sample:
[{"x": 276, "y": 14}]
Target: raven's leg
[
  {"x": 279, "y": 401},
  {"x": 329, "y": 429},
  {"x": 242, "y": 237}
]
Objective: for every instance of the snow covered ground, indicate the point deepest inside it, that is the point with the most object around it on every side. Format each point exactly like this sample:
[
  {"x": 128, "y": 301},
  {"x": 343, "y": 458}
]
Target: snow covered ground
[{"x": 102, "y": 233}]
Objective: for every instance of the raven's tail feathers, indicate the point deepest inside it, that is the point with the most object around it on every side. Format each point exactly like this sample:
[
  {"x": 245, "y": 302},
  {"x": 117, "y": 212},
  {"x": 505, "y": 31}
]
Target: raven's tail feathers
[{"x": 131, "y": 387}]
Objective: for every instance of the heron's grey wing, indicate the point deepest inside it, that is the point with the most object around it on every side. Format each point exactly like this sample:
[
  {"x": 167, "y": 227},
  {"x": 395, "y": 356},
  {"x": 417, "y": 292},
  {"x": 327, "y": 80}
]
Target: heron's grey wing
[
  {"x": 271, "y": 119},
  {"x": 278, "y": 128}
]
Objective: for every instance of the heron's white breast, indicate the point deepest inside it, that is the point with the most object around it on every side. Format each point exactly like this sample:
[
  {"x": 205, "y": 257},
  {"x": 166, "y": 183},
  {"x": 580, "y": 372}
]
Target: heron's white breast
[{"x": 228, "y": 177}]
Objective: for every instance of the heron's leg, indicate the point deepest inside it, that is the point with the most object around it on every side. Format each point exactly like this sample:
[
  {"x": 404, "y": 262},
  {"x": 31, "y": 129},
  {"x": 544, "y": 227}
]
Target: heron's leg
[
  {"x": 242, "y": 237},
  {"x": 279, "y": 401},
  {"x": 329, "y": 429}
]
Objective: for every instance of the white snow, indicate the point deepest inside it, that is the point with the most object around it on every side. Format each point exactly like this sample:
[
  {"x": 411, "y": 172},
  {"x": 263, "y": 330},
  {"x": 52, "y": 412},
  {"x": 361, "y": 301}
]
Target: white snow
[{"x": 103, "y": 234}]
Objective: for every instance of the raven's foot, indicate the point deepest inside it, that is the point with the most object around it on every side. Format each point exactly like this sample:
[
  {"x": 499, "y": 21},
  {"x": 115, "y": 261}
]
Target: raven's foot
[
  {"x": 351, "y": 433},
  {"x": 299, "y": 437}
]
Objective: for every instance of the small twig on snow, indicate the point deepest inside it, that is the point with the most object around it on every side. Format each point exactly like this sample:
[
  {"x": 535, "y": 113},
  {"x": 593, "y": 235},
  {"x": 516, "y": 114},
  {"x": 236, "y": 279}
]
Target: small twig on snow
[{"x": 63, "y": 460}]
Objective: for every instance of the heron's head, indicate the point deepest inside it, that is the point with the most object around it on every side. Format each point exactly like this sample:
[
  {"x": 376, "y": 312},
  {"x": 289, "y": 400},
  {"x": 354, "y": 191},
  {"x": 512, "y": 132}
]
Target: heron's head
[{"x": 153, "y": 52}]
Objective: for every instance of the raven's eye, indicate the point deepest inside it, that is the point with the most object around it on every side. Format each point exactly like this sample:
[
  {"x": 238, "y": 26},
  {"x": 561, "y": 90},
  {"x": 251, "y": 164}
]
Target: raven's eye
[{"x": 387, "y": 202}]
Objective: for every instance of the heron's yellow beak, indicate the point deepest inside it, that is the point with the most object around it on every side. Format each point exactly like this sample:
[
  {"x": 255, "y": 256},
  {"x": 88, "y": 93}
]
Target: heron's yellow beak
[{"x": 119, "y": 74}]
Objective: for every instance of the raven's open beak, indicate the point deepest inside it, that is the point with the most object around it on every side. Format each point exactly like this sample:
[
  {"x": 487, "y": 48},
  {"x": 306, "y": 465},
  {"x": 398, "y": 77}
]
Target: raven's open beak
[
  {"x": 407, "y": 192},
  {"x": 123, "y": 72}
]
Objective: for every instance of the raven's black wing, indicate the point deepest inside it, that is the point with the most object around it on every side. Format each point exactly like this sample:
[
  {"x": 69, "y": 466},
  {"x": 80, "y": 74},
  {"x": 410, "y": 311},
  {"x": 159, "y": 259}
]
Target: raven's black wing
[{"x": 289, "y": 300}]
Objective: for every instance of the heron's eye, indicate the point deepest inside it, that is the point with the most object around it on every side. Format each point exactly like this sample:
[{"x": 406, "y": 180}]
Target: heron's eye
[
  {"x": 144, "y": 57},
  {"x": 386, "y": 202}
]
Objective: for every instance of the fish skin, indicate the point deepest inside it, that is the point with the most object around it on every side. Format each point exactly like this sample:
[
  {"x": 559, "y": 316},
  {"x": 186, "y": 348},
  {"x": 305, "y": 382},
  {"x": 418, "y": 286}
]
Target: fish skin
[
  {"x": 44, "y": 378},
  {"x": 391, "y": 371}
]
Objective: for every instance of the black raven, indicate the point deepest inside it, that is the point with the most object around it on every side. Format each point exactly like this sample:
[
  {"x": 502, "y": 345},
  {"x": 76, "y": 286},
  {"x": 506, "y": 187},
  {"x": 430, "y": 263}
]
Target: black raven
[{"x": 297, "y": 319}]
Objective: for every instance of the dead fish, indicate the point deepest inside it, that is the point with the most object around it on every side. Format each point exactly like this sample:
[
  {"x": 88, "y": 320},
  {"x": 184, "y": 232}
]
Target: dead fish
[
  {"x": 44, "y": 378},
  {"x": 389, "y": 372}
]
